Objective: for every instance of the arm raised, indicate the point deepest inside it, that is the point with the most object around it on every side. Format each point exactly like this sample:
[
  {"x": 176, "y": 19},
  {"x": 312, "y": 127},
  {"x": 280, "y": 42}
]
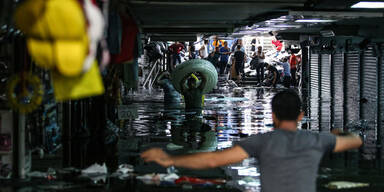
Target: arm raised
[{"x": 203, "y": 160}]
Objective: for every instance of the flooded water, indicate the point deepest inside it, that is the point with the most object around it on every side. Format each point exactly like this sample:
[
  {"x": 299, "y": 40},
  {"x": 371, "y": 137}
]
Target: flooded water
[{"x": 229, "y": 114}]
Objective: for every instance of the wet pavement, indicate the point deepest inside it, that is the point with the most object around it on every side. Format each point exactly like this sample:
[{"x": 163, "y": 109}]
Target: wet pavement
[{"x": 229, "y": 114}]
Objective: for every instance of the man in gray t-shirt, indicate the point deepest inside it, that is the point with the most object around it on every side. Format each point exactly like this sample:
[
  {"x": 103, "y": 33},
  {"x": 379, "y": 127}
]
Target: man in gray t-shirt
[{"x": 289, "y": 158}]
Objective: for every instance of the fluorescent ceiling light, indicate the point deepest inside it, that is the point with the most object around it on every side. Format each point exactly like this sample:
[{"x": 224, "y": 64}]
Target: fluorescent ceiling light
[
  {"x": 314, "y": 21},
  {"x": 368, "y": 5},
  {"x": 343, "y": 14}
]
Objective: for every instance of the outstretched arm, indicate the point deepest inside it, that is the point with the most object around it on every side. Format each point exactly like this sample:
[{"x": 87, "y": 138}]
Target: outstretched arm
[
  {"x": 203, "y": 160},
  {"x": 347, "y": 141}
]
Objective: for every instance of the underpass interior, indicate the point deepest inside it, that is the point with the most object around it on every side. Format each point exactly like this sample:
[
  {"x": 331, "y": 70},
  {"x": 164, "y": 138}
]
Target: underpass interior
[{"x": 86, "y": 89}]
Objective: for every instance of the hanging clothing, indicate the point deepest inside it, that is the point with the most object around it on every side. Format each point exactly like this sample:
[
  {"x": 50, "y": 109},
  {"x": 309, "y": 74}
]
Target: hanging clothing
[
  {"x": 114, "y": 33},
  {"x": 130, "y": 31}
]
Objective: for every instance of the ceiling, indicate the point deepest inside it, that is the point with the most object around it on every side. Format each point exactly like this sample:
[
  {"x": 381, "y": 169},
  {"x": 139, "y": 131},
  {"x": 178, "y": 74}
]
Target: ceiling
[{"x": 183, "y": 19}]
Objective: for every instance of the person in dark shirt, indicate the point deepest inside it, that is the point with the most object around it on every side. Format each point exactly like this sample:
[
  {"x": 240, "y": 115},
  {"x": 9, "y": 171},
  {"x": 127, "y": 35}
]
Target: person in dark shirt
[
  {"x": 239, "y": 58},
  {"x": 288, "y": 158},
  {"x": 192, "y": 52},
  {"x": 193, "y": 94},
  {"x": 214, "y": 57},
  {"x": 274, "y": 76}
]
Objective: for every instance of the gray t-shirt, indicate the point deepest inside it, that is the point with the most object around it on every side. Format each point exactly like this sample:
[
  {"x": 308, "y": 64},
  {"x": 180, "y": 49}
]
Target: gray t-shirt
[{"x": 289, "y": 160}]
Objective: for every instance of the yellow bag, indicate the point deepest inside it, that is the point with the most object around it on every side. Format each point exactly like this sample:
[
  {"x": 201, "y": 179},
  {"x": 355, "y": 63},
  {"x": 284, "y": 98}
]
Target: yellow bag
[{"x": 85, "y": 85}]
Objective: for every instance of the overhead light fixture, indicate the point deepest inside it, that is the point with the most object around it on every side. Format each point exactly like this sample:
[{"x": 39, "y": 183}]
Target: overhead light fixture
[
  {"x": 369, "y": 5},
  {"x": 338, "y": 14},
  {"x": 315, "y": 21}
]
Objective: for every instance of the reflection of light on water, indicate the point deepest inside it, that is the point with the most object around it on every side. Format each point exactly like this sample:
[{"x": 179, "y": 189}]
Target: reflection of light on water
[
  {"x": 250, "y": 171},
  {"x": 224, "y": 144},
  {"x": 250, "y": 184}
]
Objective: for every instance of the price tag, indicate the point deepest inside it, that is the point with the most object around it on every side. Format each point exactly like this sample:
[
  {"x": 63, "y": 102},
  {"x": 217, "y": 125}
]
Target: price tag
[{"x": 127, "y": 112}]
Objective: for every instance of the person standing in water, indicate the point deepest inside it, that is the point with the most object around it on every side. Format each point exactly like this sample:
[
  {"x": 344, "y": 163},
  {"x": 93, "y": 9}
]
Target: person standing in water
[
  {"x": 224, "y": 55},
  {"x": 239, "y": 59},
  {"x": 193, "y": 94},
  {"x": 259, "y": 58},
  {"x": 287, "y": 73}
]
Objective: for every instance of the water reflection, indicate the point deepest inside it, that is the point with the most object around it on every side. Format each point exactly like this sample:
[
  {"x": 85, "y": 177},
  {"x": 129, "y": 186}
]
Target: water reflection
[
  {"x": 194, "y": 136},
  {"x": 229, "y": 114}
]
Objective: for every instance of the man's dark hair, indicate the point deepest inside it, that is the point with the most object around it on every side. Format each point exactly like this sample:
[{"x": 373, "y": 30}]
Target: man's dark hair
[
  {"x": 286, "y": 105},
  {"x": 238, "y": 46}
]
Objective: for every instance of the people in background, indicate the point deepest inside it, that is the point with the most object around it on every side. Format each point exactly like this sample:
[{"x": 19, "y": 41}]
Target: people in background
[
  {"x": 273, "y": 76},
  {"x": 253, "y": 45},
  {"x": 289, "y": 158},
  {"x": 238, "y": 42},
  {"x": 203, "y": 51},
  {"x": 259, "y": 64},
  {"x": 191, "y": 51},
  {"x": 286, "y": 72},
  {"x": 239, "y": 59},
  {"x": 224, "y": 55},
  {"x": 217, "y": 43},
  {"x": 175, "y": 49},
  {"x": 214, "y": 57},
  {"x": 293, "y": 63}
]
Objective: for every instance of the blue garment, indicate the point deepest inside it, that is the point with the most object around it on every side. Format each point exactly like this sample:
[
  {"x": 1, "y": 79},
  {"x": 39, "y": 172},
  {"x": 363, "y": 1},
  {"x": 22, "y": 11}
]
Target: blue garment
[
  {"x": 224, "y": 57},
  {"x": 287, "y": 70}
]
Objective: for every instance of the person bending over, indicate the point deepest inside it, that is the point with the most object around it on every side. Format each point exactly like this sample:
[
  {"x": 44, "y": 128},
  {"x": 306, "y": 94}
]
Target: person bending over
[
  {"x": 171, "y": 96},
  {"x": 289, "y": 158},
  {"x": 273, "y": 77}
]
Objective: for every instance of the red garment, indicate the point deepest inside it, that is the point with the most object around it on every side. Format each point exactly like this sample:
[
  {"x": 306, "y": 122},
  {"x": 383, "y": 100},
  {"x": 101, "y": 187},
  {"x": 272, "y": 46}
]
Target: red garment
[
  {"x": 194, "y": 180},
  {"x": 278, "y": 44},
  {"x": 293, "y": 61},
  {"x": 176, "y": 48},
  {"x": 128, "y": 41}
]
